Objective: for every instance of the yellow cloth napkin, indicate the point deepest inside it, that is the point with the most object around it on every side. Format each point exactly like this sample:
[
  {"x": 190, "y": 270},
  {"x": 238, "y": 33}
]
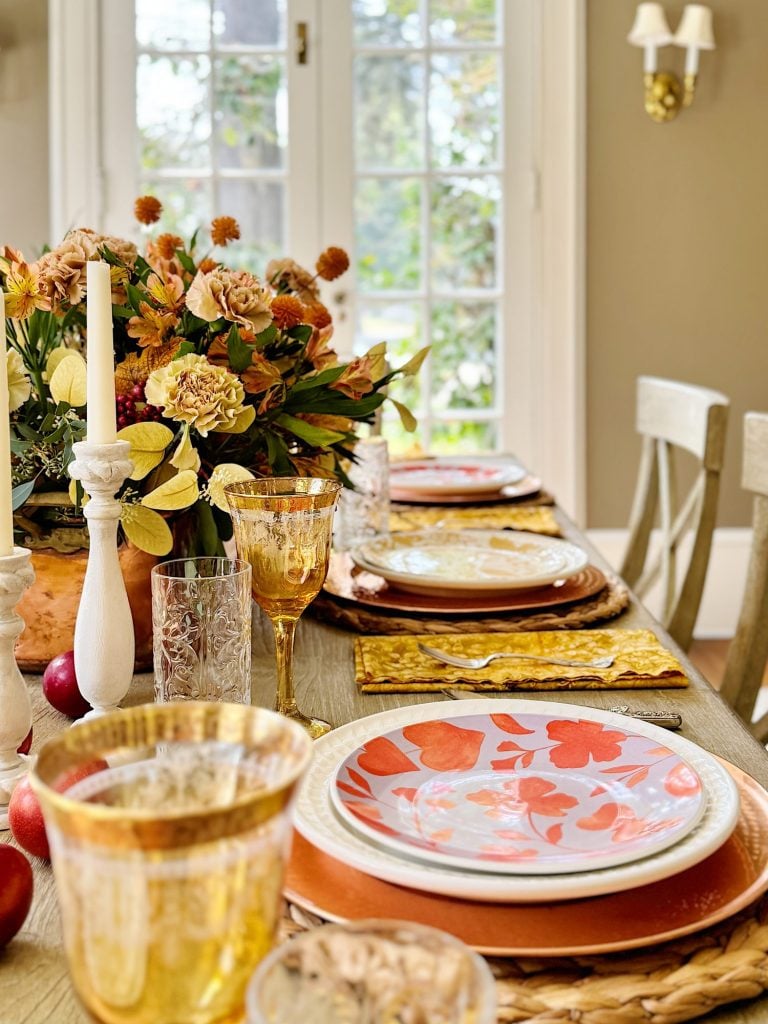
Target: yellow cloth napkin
[
  {"x": 394, "y": 664},
  {"x": 535, "y": 519}
]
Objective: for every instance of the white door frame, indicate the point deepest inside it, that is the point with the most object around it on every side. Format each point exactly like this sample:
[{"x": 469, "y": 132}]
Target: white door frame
[{"x": 545, "y": 358}]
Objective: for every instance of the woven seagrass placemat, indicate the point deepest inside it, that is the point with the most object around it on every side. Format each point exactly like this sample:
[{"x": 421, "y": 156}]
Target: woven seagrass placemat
[
  {"x": 675, "y": 982},
  {"x": 607, "y": 604}
]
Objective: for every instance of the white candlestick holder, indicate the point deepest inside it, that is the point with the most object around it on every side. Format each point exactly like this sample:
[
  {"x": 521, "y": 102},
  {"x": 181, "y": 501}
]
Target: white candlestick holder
[
  {"x": 16, "y": 574},
  {"x": 104, "y": 640}
]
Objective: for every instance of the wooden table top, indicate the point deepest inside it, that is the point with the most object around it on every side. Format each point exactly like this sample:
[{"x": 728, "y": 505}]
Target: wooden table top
[{"x": 34, "y": 981}]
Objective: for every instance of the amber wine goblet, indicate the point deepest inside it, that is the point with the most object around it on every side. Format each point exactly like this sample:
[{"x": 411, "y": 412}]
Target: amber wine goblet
[{"x": 283, "y": 527}]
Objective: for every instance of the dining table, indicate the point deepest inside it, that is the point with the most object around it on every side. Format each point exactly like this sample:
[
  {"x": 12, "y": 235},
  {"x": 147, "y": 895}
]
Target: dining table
[{"x": 34, "y": 980}]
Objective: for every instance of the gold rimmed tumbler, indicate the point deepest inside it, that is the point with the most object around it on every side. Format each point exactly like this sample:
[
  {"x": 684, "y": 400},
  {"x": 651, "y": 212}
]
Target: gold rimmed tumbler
[
  {"x": 283, "y": 527},
  {"x": 169, "y": 826}
]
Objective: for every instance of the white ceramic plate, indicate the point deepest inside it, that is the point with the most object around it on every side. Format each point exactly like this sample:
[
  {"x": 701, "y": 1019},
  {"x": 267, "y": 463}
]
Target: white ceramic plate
[
  {"x": 452, "y": 476},
  {"x": 426, "y": 561},
  {"x": 317, "y": 821},
  {"x": 522, "y": 794}
]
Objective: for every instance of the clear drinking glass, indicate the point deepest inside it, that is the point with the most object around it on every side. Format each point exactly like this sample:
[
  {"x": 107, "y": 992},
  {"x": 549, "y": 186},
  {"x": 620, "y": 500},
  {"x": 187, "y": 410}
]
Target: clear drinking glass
[
  {"x": 201, "y": 622},
  {"x": 283, "y": 528},
  {"x": 169, "y": 827},
  {"x": 372, "y": 972},
  {"x": 363, "y": 513}
]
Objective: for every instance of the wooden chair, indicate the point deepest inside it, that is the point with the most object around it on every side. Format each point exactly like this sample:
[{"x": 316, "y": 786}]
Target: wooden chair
[
  {"x": 748, "y": 651},
  {"x": 673, "y": 415}
]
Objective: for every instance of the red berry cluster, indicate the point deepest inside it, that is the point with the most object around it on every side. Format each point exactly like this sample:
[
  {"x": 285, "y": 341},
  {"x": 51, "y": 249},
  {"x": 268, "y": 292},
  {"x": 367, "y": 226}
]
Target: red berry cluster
[{"x": 128, "y": 412}]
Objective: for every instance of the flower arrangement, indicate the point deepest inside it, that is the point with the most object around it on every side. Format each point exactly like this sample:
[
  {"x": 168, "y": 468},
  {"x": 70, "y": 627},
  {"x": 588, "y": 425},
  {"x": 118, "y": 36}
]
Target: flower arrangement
[{"x": 219, "y": 376}]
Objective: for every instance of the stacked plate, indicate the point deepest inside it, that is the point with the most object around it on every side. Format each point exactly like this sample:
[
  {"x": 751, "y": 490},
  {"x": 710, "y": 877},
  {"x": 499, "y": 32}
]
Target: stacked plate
[
  {"x": 527, "y": 827},
  {"x": 455, "y": 481}
]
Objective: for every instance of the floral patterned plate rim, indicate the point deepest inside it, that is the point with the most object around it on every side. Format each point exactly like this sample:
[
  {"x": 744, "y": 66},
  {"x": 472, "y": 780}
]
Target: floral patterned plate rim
[
  {"x": 525, "y": 794},
  {"x": 453, "y": 476},
  {"x": 317, "y": 821},
  {"x": 470, "y": 560},
  {"x": 511, "y": 493}
]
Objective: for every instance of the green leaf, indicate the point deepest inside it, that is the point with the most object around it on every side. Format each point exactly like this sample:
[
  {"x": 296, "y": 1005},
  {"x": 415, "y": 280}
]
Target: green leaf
[
  {"x": 19, "y": 447},
  {"x": 317, "y": 436},
  {"x": 185, "y": 349},
  {"x": 135, "y": 297},
  {"x": 267, "y": 335},
  {"x": 21, "y": 492},
  {"x": 277, "y": 454},
  {"x": 319, "y": 380},
  {"x": 301, "y": 332},
  {"x": 186, "y": 261},
  {"x": 207, "y": 532},
  {"x": 193, "y": 240},
  {"x": 240, "y": 354}
]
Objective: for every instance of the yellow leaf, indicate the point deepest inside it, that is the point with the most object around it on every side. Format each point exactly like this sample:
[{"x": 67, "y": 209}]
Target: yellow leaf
[
  {"x": 56, "y": 357},
  {"x": 72, "y": 490},
  {"x": 185, "y": 456},
  {"x": 148, "y": 442},
  {"x": 414, "y": 363},
  {"x": 407, "y": 418},
  {"x": 243, "y": 421},
  {"x": 378, "y": 354},
  {"x": 68, "y": 381},
  {"x": 146, "y": 529},
  {"x": 180, "y": 491},
  {"x": 225, "y": 473}
]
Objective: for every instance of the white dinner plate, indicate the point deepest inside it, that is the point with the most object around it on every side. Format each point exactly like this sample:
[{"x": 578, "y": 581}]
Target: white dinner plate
[
  {"x": 429, "y": 561},
  {"x": 453, "y": 476},
  {"x": 316, "y": 820}
]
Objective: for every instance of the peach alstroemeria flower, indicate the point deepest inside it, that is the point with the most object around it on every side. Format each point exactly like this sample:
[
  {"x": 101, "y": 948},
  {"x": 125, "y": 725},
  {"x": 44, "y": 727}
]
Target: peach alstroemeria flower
[
  {"x": 153, "y": 327},
  {"x": 167, "y": 291},
  {"x": 357, "y": 378},
  {"x": 318, "y": 352},
  {"x": 23, "y": 295}
]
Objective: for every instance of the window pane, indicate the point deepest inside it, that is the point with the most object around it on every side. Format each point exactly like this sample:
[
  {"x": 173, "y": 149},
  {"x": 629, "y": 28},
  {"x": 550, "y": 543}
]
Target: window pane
[
  {"x": 258, "y": 207},
  {"x": 388, "y": 233},
  {"x": 386, "y": 22},
  {"x": 464, "y": 107},
  {"x": 172, "y": 112},
  {"x": 461, "y": 436},
  {"x": 161, "y": 25},
  {"x": 463, "y": 355},
  {"x": 463, "y": 21},
  {"x": 389, "y": 103},
  {"x": 464, "y": 231},
  {"x": 186, "y": 204},
  {"x": 252, "y": 112},
  {"x": 400, "y": 325},
  {"x": 249, "y": 22},
  {"x": 403, "y": 445}
]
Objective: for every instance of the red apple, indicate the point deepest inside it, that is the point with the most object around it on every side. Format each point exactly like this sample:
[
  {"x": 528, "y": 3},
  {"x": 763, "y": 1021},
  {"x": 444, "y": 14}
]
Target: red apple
[
  {"x": 60, "y": 686},
  {"x": 15, "y": 891},
  {"x": 25, "y": 816},
  {"x": 26, "y": 743}
]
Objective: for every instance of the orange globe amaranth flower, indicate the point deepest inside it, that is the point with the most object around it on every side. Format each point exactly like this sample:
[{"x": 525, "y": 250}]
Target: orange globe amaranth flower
[
  {"x": 147, "y": 209},
  {"x": 224, "y": 230},
  {"x": 167, "y": 245},
  {"x": 287, "y": 312},
  {"x": 207, "y": 265},
  {"x": 317, "y": 314},
  {"x": 332, "y": 262}
]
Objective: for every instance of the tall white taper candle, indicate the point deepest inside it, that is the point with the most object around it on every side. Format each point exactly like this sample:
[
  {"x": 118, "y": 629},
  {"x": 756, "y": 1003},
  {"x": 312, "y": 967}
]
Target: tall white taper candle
[
  {"x": 102, "y": 428},
  {"x": 6, "y": 511}
]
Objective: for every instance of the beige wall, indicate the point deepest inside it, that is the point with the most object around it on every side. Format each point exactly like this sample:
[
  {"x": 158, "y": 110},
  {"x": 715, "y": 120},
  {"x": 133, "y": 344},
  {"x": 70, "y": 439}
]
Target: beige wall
[
  {"x": 677, "y": 223},
  {"x": 24, "y": 124}
]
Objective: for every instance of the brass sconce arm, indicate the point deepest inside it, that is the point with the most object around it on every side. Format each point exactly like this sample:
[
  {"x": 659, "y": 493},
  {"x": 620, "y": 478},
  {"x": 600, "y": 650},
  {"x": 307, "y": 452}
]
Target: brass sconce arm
[{"x": 665, "y": 96}]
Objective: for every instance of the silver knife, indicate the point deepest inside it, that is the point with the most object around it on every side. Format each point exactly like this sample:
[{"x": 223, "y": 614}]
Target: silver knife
[{"x": 664, "y": 719}]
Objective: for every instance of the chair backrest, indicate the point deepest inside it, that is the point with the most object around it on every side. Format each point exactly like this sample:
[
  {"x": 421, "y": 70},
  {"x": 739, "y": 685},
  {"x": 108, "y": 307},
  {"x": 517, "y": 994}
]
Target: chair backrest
[
  {"x": 671, "y": 415},
  {"x": 748, "y": 651}
]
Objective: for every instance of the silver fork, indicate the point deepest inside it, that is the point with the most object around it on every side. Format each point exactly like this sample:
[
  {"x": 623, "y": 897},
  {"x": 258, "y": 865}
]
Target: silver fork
[{"x": 457, "y": 662}]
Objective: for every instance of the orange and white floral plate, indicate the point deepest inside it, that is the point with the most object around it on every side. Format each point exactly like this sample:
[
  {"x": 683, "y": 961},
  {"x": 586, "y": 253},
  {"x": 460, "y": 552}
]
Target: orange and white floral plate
[
  {"x": 528, "y": 793},
  {"x": 453, "y": 476},
  {"x": 317, "y": 820}
]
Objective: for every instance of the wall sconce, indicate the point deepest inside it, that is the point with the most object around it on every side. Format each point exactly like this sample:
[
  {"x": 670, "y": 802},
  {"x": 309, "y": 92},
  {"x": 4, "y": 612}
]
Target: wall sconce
[{"x": 664, "y": 93}]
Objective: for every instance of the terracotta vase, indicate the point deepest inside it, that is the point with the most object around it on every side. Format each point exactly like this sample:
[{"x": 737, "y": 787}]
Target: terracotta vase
[{"x": 49, "y": 607}]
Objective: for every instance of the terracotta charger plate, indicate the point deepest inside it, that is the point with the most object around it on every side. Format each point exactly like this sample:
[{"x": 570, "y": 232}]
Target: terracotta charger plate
[
  {"x": 726, "y": 882},
  {"x": 347, "y": 583},
  {"x": 525, "y": 488}
]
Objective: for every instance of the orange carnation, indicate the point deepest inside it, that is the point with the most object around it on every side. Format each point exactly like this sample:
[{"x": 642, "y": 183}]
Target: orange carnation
[
  {"x": 332, "y": 263},
  {"x": 224, "y": 230},
  {"x": 167, "y": 245},
  {"x": 287, "y": 312},
  {"x": 147, "y": 209},
  {"x": 317, "y": 314}
]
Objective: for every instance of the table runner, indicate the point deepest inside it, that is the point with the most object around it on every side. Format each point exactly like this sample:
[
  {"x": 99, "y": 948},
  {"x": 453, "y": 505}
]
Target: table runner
[{"x": 533, "y": 518}]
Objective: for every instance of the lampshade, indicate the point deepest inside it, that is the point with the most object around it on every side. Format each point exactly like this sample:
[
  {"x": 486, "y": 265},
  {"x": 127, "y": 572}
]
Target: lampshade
[
  {"x": 650, "y": 27},
  {"x": 695, "y": 28}
]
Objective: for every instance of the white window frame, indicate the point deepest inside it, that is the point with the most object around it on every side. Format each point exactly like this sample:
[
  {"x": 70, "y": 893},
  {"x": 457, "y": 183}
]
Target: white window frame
[{"x": 544, "y": 355}]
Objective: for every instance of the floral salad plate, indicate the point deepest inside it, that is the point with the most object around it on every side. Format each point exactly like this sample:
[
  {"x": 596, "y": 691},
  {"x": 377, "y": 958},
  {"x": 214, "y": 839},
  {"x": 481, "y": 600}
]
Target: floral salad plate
[
  {"x": 426, "y": 561},
  {"x": 448, "y": 476},
  {"x": 533, "y": 793}
]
